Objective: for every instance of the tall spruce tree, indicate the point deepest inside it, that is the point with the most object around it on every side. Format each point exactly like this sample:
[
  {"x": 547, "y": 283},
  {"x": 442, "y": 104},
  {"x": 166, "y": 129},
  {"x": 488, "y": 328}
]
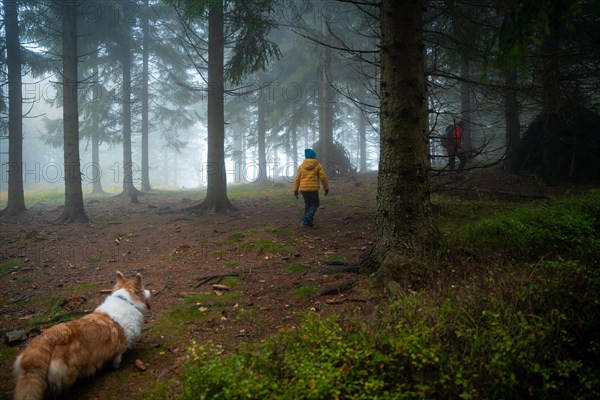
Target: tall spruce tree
[
  {"x": 74, "y": 210},
  {"x": 16, "y": 198},
  {"x": 404, "y": 227},
  {"x": 247, "y": 28}
]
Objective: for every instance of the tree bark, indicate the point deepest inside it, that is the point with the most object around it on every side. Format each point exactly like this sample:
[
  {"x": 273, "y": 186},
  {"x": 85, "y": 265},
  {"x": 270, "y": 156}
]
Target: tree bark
[
  {"x": 216, "y": 183},
  {"x": 325, "y": 98},
  {"x": 261, "y": 128},
  {"x": 16, "y": 198},
  {"x": 362, "y": 140},
  {"x": 145, "y": 99},
  {"x": 404, "y": 225},
  {"x": 96, "y": 140},
  {"x": 294, "y": 133},
  {"x": 513, "y": 125},
  {"x": 465, "y": 104},
  {"x": 128, "y": 168},
  {"x": 551, "y": 98},
  {"x": 74, "y": 210}
]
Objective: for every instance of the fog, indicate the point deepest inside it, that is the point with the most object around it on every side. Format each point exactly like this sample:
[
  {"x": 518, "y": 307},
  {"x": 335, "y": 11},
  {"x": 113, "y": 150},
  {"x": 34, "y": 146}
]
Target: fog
[{"x": 311, "y": 76}]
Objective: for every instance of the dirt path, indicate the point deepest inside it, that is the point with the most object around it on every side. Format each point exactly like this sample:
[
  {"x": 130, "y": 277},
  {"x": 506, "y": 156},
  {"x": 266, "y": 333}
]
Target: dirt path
[{"x": 277, "y": 269}]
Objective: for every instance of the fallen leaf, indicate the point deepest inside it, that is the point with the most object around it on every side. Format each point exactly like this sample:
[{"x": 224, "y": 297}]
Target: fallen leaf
[
  {"x": 203, "y": 309},
  {"x": 139, "y": 364}
]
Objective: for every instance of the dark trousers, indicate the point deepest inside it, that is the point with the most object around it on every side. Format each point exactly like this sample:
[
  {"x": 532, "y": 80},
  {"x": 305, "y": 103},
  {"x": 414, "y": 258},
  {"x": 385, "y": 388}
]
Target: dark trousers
[{"x": 311, "y": 203}]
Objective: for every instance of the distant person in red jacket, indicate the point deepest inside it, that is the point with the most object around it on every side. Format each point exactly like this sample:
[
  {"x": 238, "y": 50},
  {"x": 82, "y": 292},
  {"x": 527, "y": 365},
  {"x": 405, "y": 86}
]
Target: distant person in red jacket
[
  {"x": 308, "y": 180},
  {"x": 452, "y": 142}
]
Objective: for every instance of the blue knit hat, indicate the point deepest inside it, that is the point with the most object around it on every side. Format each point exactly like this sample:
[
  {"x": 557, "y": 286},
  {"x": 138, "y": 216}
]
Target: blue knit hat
[{"x": 310, "y": 153}]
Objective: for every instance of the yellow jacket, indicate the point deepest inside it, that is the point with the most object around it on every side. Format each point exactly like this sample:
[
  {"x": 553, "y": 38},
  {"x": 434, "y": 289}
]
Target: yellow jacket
[{"x": 310, "y": 172}]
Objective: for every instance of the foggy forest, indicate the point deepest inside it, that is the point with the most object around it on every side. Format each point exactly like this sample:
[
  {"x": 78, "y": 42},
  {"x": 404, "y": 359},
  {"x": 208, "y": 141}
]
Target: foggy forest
[
  {"x": 456, "y": 248},
  {"x": 310, "y": 76}
]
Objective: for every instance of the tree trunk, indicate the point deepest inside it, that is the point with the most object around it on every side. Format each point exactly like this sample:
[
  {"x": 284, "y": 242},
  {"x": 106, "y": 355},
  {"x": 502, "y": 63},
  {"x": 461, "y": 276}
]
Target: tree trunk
[
  {"x": 97, "y": 178},
  {"x": 96, "y": 133},
  {"x": 551, "y": 98},
  {"x": 128, "y": 168},
  {"x": 404, "y": 225},
  {"x": 73, "y": 211},
  {"x": 294, "y": 132},
  {"x": 513, "y": 125},
  {"x": 325, "y": 98},
  {"x": 144, "y": 98},
  {"x": 216, "y": 183},
  {"x": 465, "y": 104},
  {"x": 16, "y": 198},
  {"x": 362, "y": 140},
  {"x": 275, "y": 162},
  {"x": 261, "y": 128}
]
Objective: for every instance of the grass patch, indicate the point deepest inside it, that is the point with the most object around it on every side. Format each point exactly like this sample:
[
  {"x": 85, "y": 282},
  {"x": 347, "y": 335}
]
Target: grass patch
[
  {"x": 7, "y": 266},
  {"x": 297, "y": 267},
  {"x": 568, "y": 228},
  {"x": 256, "y": 190},
  {"x": 305, "y": 291},
  {"x": 99, "y": 257},
  {"x": 35, "y": 236},
  {"x": 174, "y": 323},
  {"x": 44, "y": 197},
  {"x": 158, "y": 389},
  {"x": 280, "y": 231},
  {"x": 236, "y": 237},
  {"x": 267, "y": 246},
  {"x": 231, "y": 281},
  {"x": 234, "y": 262},
  {"x": 7, "y": 354},
  {"x": 48, "y": 312},
  {"x": 334, "y": 258},
  {"x": 455, "y": 212}
]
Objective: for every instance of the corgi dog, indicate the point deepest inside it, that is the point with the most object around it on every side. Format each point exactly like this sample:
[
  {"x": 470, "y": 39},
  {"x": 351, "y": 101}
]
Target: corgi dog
[{"x": 54, "y": 360}]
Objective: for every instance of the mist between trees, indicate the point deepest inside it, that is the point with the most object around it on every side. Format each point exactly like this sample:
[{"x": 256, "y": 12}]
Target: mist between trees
[
  {"x": 35, "y": 173},
  {"x": 94, "y": 92},
  {"x": 159, "y": 93}
]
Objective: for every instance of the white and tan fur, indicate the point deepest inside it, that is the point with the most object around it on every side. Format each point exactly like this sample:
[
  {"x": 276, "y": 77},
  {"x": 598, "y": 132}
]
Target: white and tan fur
[{"x": 53, "y": 361}]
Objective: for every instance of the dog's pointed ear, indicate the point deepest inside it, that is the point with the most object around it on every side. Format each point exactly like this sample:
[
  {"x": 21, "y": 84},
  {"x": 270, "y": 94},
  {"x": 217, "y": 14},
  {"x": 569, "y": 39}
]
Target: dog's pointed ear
[
  {"x": 120, "y": 277},
  {"x": 138, "y": 280}
]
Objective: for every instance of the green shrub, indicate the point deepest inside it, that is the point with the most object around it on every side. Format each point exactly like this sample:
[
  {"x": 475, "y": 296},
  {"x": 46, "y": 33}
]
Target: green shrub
[
  {"x": 527, "y": 328},
  {"x": 416, "y": 350},
  {"x": 566, "y": 229}
]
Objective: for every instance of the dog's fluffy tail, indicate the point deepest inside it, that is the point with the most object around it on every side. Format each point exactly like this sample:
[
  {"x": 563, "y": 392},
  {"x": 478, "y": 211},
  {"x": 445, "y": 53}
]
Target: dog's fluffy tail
[{"x": 31, "y": 372}]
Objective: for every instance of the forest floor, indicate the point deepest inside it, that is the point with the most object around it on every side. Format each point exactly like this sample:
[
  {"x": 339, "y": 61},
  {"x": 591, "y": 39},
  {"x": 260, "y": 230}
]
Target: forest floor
[{"x": 278, "y": 269}]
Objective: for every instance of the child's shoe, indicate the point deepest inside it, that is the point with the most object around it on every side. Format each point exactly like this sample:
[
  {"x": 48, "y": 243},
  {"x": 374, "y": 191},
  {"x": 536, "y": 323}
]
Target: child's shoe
[{"x": 307, "y": 221}]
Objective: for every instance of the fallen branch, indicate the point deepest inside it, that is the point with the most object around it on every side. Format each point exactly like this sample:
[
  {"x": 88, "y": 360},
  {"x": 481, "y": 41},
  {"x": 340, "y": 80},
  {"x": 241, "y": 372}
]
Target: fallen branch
[
  {"x": 340, "y": 268},
  {"x": 211, "y": 304},
  {"x": 341, "y": 288},
  {"x": 205, "y": 279},
  {"x": 344, "y": 300}
]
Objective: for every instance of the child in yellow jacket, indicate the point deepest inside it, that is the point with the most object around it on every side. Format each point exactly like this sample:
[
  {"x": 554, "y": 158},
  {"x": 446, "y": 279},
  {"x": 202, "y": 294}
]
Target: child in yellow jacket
[{"x": 308, "y": 177}]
